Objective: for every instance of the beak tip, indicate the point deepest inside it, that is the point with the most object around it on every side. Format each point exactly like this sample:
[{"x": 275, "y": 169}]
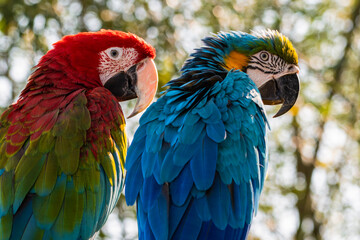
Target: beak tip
[
  {"x": 133, "y": 113},
  {"x": 277, "y": 115}
]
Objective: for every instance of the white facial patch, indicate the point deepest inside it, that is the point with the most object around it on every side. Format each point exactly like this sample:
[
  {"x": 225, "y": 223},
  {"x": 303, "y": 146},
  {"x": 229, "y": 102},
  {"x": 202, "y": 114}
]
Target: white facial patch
[
  {"x": 264, "y": 66},
  {"x": 114, "y": 60}
]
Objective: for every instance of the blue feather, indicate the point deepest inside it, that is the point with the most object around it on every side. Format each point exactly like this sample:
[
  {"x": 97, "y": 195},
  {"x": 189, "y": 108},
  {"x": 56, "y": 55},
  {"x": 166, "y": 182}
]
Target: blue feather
[
  {"x": 169, "y": 171},
  {"x": 141, "y": 216},
  {"x": 202, "y": 208},
  {"x": 148, "y": 234},
  {"x": 139, "y": 134},
  {"x": 215, "y": 117},
  {"x": 183, "y": 152},
  {"x": 206, "y": 111},
  {"x": 149, "y": 193},
  {"x": 134, "y": 178},
  {"x": 176, "y": 215},
  {"x": 218, "y": 200},
  {"x": 189, "y": 134},
  {"x": 203, "y": 164},
  {"x": 170, "y": 118},
  {"x": 158, "y": 216},
  {"x": 179, "y": 120},
  {"x": 216, "y": 132},
  {"x": 190, "y": 225},
  {"x": 191, "y": 119},
  {"x": 181, "y": 186},
  {"x": 32, "y": 231},
  {"x": 21, "y": 218},
  {"x": 156, "y": 171},
  {"x": 209, "y": 231},
  {"x": 148, "y": 160},
  {"x": 170, "y": 134},
  {"x": 242, "y": 202},
  {"x": 152, "y": 112},
  {"x": 90, "y": 218},
  {"x": 154, "y": 140},
  {"x": 134, "y": 152}
]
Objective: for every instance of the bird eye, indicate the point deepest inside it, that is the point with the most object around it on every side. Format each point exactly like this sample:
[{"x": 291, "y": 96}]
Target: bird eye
[
  {"x": 264, "y": 56},
  {"x": 114, "y": 53}
]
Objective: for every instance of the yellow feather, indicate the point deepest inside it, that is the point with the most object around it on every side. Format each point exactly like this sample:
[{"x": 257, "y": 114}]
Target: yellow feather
[{"x": 236, "y": 60}]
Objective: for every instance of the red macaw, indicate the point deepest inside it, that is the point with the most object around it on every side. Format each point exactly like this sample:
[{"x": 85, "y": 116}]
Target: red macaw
[{"x": 63, "y": 144}]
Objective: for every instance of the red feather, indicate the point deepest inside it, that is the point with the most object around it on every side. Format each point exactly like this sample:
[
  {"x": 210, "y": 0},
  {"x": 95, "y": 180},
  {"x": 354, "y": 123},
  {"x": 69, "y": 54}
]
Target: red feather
[
  {"x": 12, "y": 149},
  {"x": 14, "y": 129},
  {"x": 47, "y": 120},
  {"x": 18, "y": 139}
]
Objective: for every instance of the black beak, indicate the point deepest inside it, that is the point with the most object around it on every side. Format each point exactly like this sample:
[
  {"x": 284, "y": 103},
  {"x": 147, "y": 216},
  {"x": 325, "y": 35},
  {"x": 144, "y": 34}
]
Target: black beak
[
  {"x": 283, "y": 90},
  {"x": 122, "y": 85}
]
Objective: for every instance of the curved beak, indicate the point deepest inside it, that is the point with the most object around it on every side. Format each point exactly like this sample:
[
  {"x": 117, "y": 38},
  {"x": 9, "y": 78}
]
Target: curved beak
[
  {"x": 146, "y": 86},
  {"x": 138, "y": 81},
  {"x": 283, "y": 90}
]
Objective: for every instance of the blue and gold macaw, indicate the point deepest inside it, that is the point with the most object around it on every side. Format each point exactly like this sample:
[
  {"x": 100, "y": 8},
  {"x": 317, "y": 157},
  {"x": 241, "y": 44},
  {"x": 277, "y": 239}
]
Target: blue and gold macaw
[{"x": 197, "y": 163}]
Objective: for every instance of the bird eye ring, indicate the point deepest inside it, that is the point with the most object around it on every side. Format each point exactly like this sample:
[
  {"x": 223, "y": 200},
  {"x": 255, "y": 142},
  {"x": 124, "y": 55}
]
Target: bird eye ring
[
  {"x": 114, "y": 53},
  {"x": 264, "y": 56}
]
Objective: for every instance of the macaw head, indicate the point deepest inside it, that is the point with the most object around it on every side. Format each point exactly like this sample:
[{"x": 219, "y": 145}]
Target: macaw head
[
  {"x": 271, "y": 61},
  {"x": 121, "y": 62},
  {"x": 268, "y": 58}
]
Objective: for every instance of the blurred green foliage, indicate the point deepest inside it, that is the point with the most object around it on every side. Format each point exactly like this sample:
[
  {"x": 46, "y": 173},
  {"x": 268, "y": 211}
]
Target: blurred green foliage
[{"x": 312, "y": 190}]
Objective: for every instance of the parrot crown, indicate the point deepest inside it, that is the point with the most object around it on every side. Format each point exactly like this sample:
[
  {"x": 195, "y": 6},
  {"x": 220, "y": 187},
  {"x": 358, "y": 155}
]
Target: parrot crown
[{"x": 275, "y": 43}]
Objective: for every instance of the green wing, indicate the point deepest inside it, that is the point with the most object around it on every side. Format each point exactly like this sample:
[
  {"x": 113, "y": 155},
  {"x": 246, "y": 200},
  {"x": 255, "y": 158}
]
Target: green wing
[{"x": 61, "y": 169}]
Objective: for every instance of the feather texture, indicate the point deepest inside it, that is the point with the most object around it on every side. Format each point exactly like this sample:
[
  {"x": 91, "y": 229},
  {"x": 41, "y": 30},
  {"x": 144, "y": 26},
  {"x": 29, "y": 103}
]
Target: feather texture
[
  {"x": 206, "y": 161},
  {"x": 54, "y": 185}
]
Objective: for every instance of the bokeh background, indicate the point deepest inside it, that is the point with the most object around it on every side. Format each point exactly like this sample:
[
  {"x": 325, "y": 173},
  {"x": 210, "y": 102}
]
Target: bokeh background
[{"x": 312, "y": 189}]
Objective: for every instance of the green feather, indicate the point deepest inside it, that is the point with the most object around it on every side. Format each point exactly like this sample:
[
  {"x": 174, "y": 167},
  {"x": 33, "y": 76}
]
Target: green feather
[
  {"x": 33, "y": 147},
  {"x": 82, "y": 115},
  {"x": 7, "y": 191},
  {"x": 67, "y": 156},
  {"x": 47, "y": 141},
  {"x": 48, "y": 175},
  {"x": 3, "y": 131},
  {"x": 3, "y": 157},
  {"x": 13, "y": 161},
  {"x": 46, "y": 209},
  {"x": 6, "y": 225},
  {"x": 79, "y": 179},
  {"x": 70, "y": 133},
  {"x": 26, "y": 173},
  {"x": 69, "y": 220},
  {"x": 92, "y": 173}
]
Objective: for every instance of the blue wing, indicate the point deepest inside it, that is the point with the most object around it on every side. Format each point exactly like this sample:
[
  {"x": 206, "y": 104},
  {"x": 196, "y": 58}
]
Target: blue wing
[{"x": 196, "y": 166}]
